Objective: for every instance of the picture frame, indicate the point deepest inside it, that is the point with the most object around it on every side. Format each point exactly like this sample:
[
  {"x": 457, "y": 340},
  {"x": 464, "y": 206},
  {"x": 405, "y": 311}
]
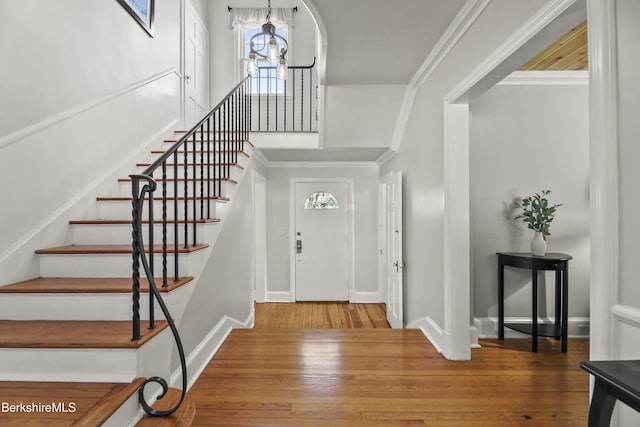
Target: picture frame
[{"x": 141, "y": 11}]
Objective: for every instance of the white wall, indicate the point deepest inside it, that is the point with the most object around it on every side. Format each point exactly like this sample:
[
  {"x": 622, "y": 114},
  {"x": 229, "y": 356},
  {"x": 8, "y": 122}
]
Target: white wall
[
  {"x": 225, "y": 287},
  {"x": 83, "y": 87},
  {"x": 202, "y": 9},
  {"x": 361, "y": 115},
  {"x": 365, "y": 218},
  {"x": 224, "y": 76},
  {"x": 420, "y": 158},
  {"x": 526, "y": 138}
]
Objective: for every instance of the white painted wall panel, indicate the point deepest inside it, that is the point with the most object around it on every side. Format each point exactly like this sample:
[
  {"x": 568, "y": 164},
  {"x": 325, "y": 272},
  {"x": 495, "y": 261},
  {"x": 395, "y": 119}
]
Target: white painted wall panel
[{"x": 83, "y": 88}]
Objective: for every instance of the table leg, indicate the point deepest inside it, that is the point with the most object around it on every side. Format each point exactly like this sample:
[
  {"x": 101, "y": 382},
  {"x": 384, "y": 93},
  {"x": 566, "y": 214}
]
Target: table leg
[
  {"x": 500, "y": 298},
  {"x": 602, "y": 404},
  {"x": 558, "y": 328},
  {"x": 534, "y": 310},
  {"x": 565, "y": 307}
]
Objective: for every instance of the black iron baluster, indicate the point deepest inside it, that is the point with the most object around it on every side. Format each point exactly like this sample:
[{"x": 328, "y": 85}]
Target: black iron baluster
[
  {"x": 195, "y": 186},
  {"x": 165, "y": 281},
  {"x": 218, "y": 151},
  {"x": 209, "y": 167},
  {"x": 176, "y": 223},
  {"x": 136, "y": 214},
  {"x": 269, "y": 82},
  {"x": 202, "y": 172},
  {"x": 185, "y": 193},
  {"x": 301, "y": 100},
  {"x": 259, "y": 101},
  {"x": 285, "y": 104},
  {"x": 152, "y": 321},
  {"x": 228, "y": 138},
  {"x": 310, "y": 98},
  {"x": 293, "y": 101}
]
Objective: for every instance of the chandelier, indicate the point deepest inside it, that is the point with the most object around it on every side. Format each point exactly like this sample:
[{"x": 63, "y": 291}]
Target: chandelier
[{"x": 270, "y": 46}]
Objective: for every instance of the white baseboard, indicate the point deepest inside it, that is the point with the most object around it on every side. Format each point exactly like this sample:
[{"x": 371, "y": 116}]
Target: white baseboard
[
  {"x": 578, "y": 327},
  {"x": 281, "y": 296},
  {"x": 200, "y": 357},
  {"x": 431, "y": 330},
  {"x": 356, "y": 297}
]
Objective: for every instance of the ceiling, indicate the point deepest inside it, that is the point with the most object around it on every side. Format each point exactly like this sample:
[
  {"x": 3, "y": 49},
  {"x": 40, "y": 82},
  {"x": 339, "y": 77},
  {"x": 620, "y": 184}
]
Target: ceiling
[
  {"x": 324, "y": 155},
  {"x": 381, "y": 41},
  {"x": 570, "y": 52}
]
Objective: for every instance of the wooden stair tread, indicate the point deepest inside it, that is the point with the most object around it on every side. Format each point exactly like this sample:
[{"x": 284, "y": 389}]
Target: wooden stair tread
[
  {"x": 233, "y": 181},
  {"x": 198, "y": 140},
  {"x": 109, "y": 404},
  {"x": 111, "y": 249},
  {"x": 95, "y": 400},
  {"x": 181, "y": 152},
  {"x": 183, "y": 417},
  {"x": 62, "y": 285},
  {"x": 74, "y": 333},
  {"x": 181, "y": 165},
  {"x": 191, "y": 198},
  {"x": 128, "y": 221}
]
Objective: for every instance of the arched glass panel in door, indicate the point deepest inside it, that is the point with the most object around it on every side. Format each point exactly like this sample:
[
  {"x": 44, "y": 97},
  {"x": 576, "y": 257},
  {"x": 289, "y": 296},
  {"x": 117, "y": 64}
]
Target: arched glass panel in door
[{"x": 321, "y": 200}]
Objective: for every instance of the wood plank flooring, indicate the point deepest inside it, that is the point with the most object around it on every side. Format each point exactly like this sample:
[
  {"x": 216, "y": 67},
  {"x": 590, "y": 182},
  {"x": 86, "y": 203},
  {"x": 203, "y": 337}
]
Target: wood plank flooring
[
  {"x": 320, "y": 315},
  {"x": 282, "y": 376}
]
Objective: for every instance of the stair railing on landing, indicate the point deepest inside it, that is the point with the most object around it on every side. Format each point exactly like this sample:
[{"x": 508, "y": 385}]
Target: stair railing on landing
[
  {"x": 284, "y": 105},
  {"x": 207, "y": 152}
]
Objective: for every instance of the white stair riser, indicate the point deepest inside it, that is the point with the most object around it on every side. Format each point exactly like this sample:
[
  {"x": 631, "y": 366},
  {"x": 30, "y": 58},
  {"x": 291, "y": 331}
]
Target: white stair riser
[
  {"x": 240, "y": 159},
  {"x": 99, "y": 306},
  {"x": 233, "y": 172},
  {"x": 121, "y": 209},
  {"x": 87, "y": 364},
  {"x": 111, "y": 265},
  {"x": 117, "y": 234},
  {"x": 221, "y": 189}
]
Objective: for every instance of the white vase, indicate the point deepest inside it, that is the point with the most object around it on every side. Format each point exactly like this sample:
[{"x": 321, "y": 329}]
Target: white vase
[{"x": 538, "y": 244}]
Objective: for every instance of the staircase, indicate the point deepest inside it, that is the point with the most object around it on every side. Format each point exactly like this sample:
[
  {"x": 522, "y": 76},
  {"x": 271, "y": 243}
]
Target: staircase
[{"x": 72, "y": 328}]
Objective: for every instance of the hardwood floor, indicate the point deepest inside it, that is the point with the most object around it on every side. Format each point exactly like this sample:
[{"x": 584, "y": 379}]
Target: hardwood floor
[
  {"x": 281, "y": 376},
  {"x": 320, "y": 315}
]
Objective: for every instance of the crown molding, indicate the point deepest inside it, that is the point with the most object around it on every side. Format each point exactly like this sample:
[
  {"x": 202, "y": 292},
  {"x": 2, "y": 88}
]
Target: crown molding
[
  {"x": 321, "y": 164},
  {"x": 465, "y": 18},
  {"x": 546, "y": 78}
]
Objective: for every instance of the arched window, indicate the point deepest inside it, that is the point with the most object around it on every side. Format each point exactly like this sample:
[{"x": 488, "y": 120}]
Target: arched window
[{"x": 321, "y": 200}]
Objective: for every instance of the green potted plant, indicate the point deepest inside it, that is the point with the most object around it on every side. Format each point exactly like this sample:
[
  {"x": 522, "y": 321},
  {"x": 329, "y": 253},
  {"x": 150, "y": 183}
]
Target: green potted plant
[{"x": 538, "y": 214}]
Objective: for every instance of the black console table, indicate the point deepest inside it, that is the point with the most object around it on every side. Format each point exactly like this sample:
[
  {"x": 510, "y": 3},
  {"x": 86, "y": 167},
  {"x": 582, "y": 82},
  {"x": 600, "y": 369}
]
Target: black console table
[
  {"x": 614, "y": 380},
  {"x": 552, "y": 261}
]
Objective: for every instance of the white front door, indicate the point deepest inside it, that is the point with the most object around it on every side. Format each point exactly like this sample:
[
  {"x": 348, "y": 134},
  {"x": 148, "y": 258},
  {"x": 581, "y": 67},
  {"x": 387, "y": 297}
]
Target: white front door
[
  {"x": 321, "y": 241},
  {"x": 196, "y": 67},
  {"x": 392, "y": 200}
]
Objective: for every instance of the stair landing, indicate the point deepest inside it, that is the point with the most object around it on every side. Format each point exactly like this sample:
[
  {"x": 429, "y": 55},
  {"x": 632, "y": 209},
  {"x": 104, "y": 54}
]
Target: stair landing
[{"x": 87, "y": 404}]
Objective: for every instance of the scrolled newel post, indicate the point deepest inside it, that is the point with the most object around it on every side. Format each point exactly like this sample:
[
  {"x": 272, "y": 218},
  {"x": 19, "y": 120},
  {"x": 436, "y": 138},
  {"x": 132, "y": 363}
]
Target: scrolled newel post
[{"x": 139, "y": 256}]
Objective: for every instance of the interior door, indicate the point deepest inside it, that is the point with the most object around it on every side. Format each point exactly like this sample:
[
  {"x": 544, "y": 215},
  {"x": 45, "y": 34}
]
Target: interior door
[
  {"x": 196, "y": 78},
  {"x": 394, "y": 265},
  {"x": 322, "y": 241}
]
